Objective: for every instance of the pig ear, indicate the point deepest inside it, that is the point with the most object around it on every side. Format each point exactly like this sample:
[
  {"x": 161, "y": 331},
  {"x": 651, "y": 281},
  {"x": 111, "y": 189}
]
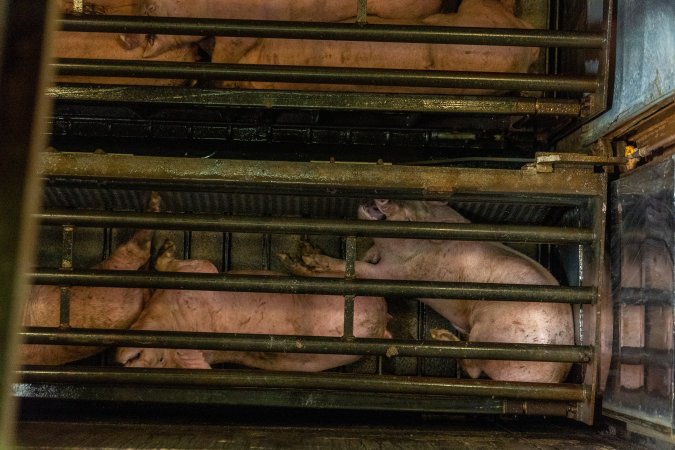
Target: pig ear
[
  {"x": 191, "y": 359},
  {"x": 126, "y": 355},
  {"x": 131, "y": 41},
  {"x": 387, "y": 206}
]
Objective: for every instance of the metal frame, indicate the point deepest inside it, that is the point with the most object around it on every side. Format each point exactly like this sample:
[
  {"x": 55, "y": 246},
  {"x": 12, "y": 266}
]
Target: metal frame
[{"x": 575, "y": 187}]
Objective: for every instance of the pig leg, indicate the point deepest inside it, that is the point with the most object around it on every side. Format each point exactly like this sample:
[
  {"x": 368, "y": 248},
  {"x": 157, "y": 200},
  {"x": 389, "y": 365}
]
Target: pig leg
[{"x": 469, "y": 366}]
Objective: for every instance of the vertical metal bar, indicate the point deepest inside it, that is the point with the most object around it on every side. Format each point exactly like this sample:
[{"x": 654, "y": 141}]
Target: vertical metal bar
[
  {"x": 266, "y": 251},
  {"x": 25, "y": 39},
  {"x": 66, "y": 264},
  {"x": 187, "y": 244},
  {"x": 361, "y": 11},
  {"x": 420, "y": 334},
  {"x": 227, "y": 252},
  {"x": 107, "y": 243},
  {"x": 350, "y": 272}
]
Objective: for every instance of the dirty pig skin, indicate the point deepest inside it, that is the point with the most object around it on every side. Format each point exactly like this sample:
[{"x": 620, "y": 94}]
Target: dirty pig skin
[
  {"x": 248, "y": 313},
  {"x": 462, "y": 261}
]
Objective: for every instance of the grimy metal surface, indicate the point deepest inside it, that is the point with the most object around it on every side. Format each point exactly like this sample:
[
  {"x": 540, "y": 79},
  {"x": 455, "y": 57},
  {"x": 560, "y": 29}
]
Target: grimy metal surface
[
  {"x": 333, "y": 31},
  {"x": 288, "y": 225},
  {"x": 25, "y": 34},
  {"x": 308, "y": 344},
  {"x": 308, "y": 285},
  {"x": 323, "y": 380},
  {"x": 161, "y": 95},
  {"x": 360, "y": 180},
  {"x": 334, "y": 75}
]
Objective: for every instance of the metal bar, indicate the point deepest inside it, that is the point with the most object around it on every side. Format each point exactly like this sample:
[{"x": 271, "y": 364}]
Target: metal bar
[
  {"x": 324, "y": 380},
  {"x": 25, "y": 38},
  {"x": 293, "y": 398},
  {"x": 361, "y": 11},
  {"x": 289, "y": 225},
  {"x": 350, "y": 274},
  {"x": 335, "y": 31},
  {"x": 327, "y": 286},
  {"x": 306, "y": 344},
  {"x": 66, "y": 264},
  {"x": 324, "y": 100},
  {"x": 332, "y": 75},
  {"x": 643, "y": 296},
  {"x": 567, "y": 187},
  {"x": 645, "y": 356}
]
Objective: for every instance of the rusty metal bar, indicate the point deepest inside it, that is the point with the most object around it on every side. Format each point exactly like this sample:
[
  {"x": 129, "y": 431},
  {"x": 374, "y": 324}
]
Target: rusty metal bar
[
  {"x": 66, "y": 264},
  {"x": 350, "y": 274},
  {"x": 324, "y": 380},
  {"x": 567, "y": 187},
  {"x": 323, "y": 100},
  {"x": 307, "y": 344},
  {"x": 327, "y": 286},
  {"x": 335, "y": 31},
  {"x": 332, "y": 75},
  {"x": 288, "y": 225},
  {"x": 361, "y": 11},
  {"x": 646, "y": 356}
]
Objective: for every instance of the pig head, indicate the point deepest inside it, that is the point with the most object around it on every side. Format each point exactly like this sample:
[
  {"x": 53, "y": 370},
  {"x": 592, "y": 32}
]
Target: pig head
[{"x": 463, "y": 261}]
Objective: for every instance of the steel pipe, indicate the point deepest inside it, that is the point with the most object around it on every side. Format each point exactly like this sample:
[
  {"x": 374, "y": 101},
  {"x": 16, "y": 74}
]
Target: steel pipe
[
  {"x": 331, "y": 75},
  {"x": 290, "y": 380},
  {"x": 288, "y": 225},
  {"x": 322, "y": 100},
  {"x": 307, "y": 344},
  {"x": 327, "y": 286},
  {"x": 334, "y": 31}
]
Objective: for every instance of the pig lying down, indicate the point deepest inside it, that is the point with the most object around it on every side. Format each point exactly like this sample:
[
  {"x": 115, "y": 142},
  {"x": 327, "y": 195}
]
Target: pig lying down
[
  {"x": 249, "y": 313},
  {"x": 71, "y": 44},
  {"x": 294, "y": 10},
  {"x": 389, "y": 55},
  {"x": 463, "y": 261},
  {"x": 90, "y": 307}
]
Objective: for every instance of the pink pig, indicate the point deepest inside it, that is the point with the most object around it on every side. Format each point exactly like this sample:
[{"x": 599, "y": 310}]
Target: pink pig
[
  {"x": 251, "y": 313},
  {"x": 464, "y": 261}
]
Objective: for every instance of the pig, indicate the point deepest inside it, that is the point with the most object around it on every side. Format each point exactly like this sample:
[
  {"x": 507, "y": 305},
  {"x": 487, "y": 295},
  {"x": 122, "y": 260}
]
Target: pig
[
  {"x": 251, "y": 313},
  {"x": 71, "y": 44},
  {"x": 298, "y": 10},
  {"x": 390, "y": 55},
  {"x": 90, "y": 307},
  {"x": 462, "y": 261}
]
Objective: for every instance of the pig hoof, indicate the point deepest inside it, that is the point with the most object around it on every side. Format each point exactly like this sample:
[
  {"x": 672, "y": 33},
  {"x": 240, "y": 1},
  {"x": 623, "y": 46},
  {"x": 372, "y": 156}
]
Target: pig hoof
[
  {"x": 294, "y": 267},
  {"x": 440, "y": 334},
  {"x": 154, "y": 202},
  {"x": 307, "y": 248},
  {"x": 168, "y": 250},
  {"x": 318, "y": 263}
]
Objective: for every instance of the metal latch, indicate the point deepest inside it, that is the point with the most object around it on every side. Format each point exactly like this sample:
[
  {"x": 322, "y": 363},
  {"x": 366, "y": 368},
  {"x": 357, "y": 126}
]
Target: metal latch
[{"x": 544, "y": 162}]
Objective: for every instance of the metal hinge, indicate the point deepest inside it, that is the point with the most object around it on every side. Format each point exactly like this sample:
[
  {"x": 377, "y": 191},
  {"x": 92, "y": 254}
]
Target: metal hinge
[{"x": 545, "y": 162}]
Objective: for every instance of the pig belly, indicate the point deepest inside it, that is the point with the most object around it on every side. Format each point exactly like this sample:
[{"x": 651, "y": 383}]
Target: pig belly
[
  {"x": 378, "y": 55},
  {"x": 90, "y": 307},
  {"x": 107, "y": 46},
  {"x": 391, "y": 55}
]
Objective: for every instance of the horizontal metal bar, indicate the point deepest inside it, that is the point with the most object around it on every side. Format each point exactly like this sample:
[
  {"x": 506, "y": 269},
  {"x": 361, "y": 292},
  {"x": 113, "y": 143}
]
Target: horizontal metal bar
[
  {"x": 307, "y": 344},
  {"x": 643, "y": 296},
  {"x": 289, "y": 225},
  {"x": 289, "y": 398},
  {"x": 331, "y": 75},
  {"x": 322, "y": 100},
  {"x": 333, "y": 31},
  {"x": 291, "y": 380},
  {"x": 567, "y": 187},
  {"x": 327, "y": 286},
  {"x": 646, "y": 356}
]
